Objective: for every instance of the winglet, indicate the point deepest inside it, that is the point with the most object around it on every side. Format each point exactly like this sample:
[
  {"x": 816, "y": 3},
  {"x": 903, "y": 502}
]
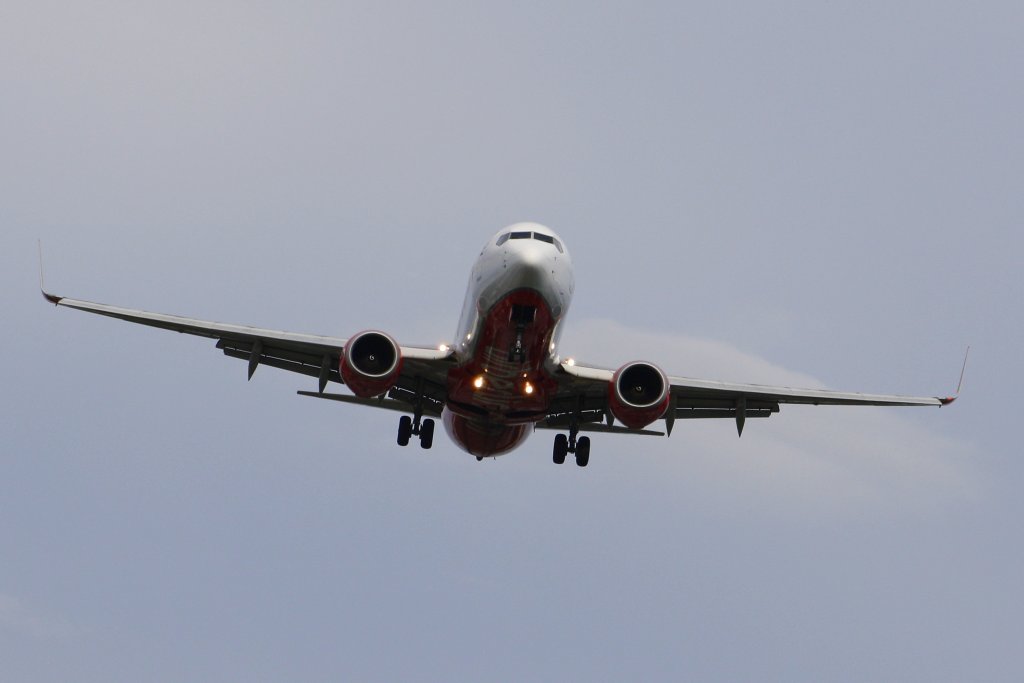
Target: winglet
[
  {"x": 53, "y": 299},
  {"x": 949, "y": 399},
  {"x": 963, "y": 369}
]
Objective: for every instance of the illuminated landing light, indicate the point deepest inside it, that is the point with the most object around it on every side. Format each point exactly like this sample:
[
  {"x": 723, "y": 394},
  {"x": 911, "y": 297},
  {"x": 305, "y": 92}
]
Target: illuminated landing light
[
  {"x": 570, "y": 362},
  {"x": 443, "y": 348},
  {"x": 478, "y": 382},
  {"x": 527, "y": 388}
]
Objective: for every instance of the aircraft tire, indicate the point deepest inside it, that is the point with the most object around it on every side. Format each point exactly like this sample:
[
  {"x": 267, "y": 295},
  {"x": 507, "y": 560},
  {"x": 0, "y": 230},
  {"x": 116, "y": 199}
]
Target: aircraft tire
[
  {"x": 561, "y": 448},
  {"x": 583, "y": 451},
  {"x": 427, "y": 434},
  {"x": 404, "y": 430}
]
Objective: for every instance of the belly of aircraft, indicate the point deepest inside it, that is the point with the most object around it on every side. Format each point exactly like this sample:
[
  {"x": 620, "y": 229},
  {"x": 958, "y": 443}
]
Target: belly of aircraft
[{"x": 505, "y": 381}]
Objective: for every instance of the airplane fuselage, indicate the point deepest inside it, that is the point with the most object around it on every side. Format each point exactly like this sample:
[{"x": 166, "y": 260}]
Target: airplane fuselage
[{"x": 506, "y": 345}]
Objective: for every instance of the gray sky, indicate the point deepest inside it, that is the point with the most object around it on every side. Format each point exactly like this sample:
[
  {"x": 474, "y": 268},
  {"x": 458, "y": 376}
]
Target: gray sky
[{"x": 825, "y": 195}]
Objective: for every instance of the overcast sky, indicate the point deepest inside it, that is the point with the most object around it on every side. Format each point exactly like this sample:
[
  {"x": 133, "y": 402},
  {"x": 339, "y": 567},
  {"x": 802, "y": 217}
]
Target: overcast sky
[{"x": 819, "y": 194}]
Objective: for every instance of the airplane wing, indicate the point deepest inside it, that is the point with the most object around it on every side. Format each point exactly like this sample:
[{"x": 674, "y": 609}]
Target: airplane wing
[
  {"x": 314, "y": 355},
  {"x": 583, "y": 391},
  {"x": 582, "y": 397}
]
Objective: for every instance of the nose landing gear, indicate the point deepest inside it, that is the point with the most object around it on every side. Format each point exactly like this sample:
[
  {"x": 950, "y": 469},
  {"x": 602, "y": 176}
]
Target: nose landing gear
[{"x": 523, "y": 317}]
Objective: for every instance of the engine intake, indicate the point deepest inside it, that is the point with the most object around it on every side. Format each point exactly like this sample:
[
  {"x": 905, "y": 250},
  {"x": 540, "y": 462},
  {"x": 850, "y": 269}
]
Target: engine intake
[
  {"x": 370, "y": 363},
  {"x": 638, "y": 394}
]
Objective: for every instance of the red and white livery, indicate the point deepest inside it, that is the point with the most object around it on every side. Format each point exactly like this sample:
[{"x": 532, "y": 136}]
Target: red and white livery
[{"x": 502, "y": 377}]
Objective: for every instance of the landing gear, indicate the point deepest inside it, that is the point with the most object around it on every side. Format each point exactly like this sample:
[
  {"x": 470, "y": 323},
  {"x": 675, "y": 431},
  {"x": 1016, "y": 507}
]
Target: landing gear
[
  {"x": 561, "y": 448},
  {"x": 523, "y": 317},
  {"x": 569, "y": 444},
  {"x": 516, "y": 354},
  {"x": 408, "y": 427}
]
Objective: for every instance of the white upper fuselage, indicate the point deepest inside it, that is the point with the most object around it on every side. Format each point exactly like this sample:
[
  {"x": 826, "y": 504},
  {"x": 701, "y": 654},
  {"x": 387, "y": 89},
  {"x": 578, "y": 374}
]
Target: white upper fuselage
[{"x": 521, "y": 261}]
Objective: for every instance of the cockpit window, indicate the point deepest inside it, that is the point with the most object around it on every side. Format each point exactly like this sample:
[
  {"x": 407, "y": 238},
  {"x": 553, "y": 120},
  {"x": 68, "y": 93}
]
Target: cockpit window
[
  {"x": 529, "y": 235},
  {"x": 550, "y": 240}
]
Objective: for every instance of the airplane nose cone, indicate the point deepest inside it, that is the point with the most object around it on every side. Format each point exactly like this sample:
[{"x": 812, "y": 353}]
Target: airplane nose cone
[{"x": 532, "y": 267}]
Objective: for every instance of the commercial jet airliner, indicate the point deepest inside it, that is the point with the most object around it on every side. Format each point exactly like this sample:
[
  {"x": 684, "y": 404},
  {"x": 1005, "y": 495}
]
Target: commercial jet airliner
[{"x": 502, "y": 377}]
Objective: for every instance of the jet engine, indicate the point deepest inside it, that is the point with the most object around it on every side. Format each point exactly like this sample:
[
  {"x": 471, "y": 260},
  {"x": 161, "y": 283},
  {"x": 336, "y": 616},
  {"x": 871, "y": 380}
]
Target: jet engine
[
  {"x": 638, "y": 394},
  {"x": 370, "y": 363}
]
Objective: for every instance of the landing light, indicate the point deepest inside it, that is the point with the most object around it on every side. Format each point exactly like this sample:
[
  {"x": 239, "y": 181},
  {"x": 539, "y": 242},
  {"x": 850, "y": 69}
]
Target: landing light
[
  {"x": 443, "y": 348},
  {"x": 478, "y": 382},
  {"x": 570, "y": 362},
  {"x": 528, "y": 388}
]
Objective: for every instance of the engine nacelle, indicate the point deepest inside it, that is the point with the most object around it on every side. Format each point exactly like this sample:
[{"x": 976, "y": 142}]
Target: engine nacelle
[
  {"x": 370, "y": 363},
  {"x": 638, "y": 394}
]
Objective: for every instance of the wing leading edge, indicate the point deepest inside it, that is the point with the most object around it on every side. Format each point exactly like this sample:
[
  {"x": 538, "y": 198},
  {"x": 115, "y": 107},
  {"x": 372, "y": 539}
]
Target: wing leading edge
[
  {"x": 308, "y": 354},
  {"x": 698, "y": 399}
]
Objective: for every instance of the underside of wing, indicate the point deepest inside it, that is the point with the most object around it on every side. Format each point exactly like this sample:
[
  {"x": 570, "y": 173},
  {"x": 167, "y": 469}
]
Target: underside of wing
[
  {"x": 696, "y": 389},
  {"x": 585, "y": 395},
  {"x": 422, "y": 369}
]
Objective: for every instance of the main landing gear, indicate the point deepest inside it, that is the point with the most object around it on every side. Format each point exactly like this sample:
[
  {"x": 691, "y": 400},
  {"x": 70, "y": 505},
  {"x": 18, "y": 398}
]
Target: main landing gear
[
  {"x": 415, "y": 425},
  {"x": 570, "y": 444},
  {"x": 407, "y": 427}
]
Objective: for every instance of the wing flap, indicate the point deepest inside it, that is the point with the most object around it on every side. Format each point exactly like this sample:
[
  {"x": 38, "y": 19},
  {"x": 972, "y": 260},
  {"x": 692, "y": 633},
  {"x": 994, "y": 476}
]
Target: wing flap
[
  {"x": 600, "y": 427},
  {"x": 283, "y": 359},
  {"x": 381, "y": 402},
  {"x": 692, "y": 414}
]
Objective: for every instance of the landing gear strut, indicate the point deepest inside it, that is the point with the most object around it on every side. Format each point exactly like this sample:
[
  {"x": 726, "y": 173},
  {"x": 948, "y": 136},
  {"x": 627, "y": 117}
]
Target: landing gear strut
[{"x": 570, "y": 444}]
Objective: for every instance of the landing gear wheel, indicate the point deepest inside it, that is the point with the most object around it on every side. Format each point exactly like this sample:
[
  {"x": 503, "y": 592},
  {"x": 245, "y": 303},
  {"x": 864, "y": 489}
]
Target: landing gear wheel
[
  {"x": 561, "y": 448},
  {"x": 404, "y": 430},
  {"x": 583, "y": 451},
  {"x": 427, "y": 434}
]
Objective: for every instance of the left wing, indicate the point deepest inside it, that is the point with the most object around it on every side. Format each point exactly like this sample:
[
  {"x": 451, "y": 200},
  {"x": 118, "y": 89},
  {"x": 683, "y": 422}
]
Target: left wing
[
  {"x": 308, "y": 354},
  {"x": 583, "y": 390}
]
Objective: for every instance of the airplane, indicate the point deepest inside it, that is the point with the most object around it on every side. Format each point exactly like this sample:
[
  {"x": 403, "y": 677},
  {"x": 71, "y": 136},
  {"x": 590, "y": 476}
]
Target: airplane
[{"x": 502, "y": 377}]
